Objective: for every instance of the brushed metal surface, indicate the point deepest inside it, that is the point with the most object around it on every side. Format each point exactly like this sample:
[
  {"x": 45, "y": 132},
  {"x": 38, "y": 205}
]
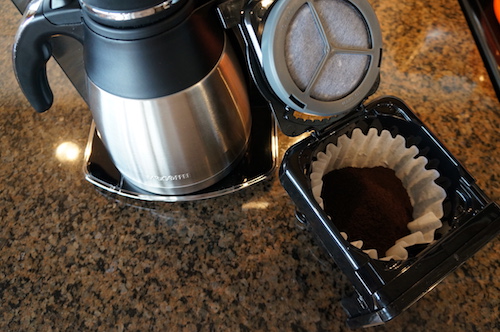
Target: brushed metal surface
[{"x": 179, "y": 143}]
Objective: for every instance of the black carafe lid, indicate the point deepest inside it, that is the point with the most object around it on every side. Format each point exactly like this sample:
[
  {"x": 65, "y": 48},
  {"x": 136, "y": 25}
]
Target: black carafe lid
[{"x": 129, "y": 13}]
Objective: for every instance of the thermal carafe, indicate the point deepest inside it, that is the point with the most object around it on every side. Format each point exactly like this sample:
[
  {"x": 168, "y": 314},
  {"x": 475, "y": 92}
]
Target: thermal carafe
[{"x": 165, "y": 90}]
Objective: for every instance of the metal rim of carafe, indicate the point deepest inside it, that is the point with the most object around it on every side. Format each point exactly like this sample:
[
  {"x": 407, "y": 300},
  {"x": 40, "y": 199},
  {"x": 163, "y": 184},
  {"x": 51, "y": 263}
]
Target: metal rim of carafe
[{"x": 118, "y": 16}]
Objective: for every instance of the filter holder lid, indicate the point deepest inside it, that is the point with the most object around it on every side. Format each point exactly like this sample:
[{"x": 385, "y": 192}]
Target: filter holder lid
[
  {"x": 330, "y": 62},
  {"x": 263, "y": 27}
]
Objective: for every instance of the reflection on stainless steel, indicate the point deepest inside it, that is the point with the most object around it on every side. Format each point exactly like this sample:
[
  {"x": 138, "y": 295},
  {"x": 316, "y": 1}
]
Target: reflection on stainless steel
[
  {"x": 258, "y": 164},
  {"x": 188, "y": 145},
  {"x": 126, "y": 16}
]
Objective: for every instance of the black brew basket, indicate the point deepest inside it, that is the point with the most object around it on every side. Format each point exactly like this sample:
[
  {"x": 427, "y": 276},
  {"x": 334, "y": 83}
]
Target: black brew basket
[{"x": 384, "y": 289}]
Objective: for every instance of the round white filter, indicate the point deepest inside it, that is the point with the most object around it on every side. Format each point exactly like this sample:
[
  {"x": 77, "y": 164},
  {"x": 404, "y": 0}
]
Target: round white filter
[
  {"x": 322, "y": 56},
  {"x": 373, "y": 150}
]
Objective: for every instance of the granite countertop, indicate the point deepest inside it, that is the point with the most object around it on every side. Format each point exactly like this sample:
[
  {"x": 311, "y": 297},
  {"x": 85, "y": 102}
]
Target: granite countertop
[{"x": 73, "y": 258}]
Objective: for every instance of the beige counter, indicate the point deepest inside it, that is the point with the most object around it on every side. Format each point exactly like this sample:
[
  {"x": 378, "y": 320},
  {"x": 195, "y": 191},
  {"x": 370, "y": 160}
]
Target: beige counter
[{"x": 75, "y": 259}]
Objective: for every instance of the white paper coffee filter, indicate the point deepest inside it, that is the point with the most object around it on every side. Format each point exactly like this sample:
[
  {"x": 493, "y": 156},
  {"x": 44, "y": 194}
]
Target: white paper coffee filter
[{"x": 372, "y": 150}]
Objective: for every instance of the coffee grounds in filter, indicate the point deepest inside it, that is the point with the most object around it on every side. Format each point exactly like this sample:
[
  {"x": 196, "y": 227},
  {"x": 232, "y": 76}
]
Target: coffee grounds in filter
[
  {"x": 368, "y": 204},
  {"x": 375, "y": 149}
]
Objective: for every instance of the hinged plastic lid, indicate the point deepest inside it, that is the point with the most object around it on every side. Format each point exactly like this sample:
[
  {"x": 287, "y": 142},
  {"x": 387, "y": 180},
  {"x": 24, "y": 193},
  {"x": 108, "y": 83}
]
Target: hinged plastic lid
[
  {"x": 319, "y": 58},
  {"x": 322, "y": 57}
]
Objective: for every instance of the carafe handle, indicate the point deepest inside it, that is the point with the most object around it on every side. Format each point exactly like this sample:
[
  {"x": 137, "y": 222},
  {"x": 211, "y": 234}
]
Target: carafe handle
[{"x": 43, "y": 20}]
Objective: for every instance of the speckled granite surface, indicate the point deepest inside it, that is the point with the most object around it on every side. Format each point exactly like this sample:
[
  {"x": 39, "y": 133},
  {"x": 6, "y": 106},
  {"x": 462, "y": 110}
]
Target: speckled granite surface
[{"x": 75, "y": 259}]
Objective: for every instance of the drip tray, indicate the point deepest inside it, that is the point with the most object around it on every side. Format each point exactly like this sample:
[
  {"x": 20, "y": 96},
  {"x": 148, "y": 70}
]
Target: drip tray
[{"x": 257, "y": 164}]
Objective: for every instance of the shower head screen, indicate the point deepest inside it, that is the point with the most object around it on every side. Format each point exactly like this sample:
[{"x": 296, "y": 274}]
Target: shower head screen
[{"x": 321, "y": 56}]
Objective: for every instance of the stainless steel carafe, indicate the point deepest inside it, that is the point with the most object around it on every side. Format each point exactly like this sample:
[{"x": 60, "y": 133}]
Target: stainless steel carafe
[{"x": 163, "y": 85}]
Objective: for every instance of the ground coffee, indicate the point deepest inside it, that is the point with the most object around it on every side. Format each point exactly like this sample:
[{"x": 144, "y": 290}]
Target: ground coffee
[{"x": 368, "y": 204}]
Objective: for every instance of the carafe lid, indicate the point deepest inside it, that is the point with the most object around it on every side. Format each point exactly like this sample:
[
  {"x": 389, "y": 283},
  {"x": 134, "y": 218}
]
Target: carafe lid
[{"x": 128, "y": 13}]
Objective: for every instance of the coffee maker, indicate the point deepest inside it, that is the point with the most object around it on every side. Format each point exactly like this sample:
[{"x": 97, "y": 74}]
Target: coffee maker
[
  {"x": 381, "y": 289},
  {"x": 173, "y": 123}
]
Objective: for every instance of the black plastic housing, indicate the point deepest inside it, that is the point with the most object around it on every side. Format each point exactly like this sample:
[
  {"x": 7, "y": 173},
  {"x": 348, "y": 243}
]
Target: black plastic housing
[{"x": 382, "y": 290}]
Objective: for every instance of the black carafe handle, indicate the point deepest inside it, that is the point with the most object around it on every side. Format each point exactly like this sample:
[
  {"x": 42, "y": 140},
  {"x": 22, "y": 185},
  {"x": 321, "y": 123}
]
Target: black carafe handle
[{"x": 32, "y": 49}]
